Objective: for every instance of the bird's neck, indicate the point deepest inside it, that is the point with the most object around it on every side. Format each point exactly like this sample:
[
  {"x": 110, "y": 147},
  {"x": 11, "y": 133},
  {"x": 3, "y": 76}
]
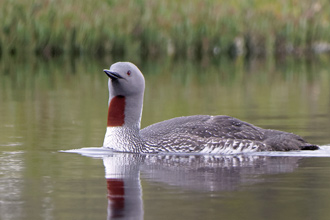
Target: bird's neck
[
  {"x": 123, "y": 124},
  {"x": 116, "y": 111},
  {"x": 124, "y": 111}
]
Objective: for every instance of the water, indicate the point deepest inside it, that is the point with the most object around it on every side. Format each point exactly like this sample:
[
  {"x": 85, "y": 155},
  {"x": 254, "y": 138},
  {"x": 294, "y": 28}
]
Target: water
[{"x": 47, "y": 106}]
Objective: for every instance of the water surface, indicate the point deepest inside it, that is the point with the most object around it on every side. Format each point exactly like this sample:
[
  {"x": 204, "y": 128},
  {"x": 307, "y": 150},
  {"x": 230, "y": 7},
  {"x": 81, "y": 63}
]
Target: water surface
[{"x": 59, "y": 105}]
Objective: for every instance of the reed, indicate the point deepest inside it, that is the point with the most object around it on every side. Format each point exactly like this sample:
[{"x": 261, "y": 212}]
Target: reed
[{"x": 146, "y": 28}]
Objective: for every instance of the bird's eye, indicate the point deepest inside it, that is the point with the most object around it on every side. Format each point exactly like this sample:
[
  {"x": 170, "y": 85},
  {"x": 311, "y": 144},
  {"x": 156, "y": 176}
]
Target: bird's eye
[{"x": 128, "y": 72}]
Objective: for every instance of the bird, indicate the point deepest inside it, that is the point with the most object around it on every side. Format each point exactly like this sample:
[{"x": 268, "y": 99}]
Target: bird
[{"x": 197, "y": 134}]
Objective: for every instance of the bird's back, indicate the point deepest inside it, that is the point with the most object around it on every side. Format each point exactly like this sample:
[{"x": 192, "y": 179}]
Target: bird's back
[{"x": 216, "y": 134}]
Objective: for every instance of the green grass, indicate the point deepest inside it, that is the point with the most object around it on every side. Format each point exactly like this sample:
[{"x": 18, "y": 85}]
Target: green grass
[{"x": 149, "y": 28}]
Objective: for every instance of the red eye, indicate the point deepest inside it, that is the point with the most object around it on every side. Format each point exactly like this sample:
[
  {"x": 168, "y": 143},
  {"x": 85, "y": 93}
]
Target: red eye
[{"x": 128, "y": 72}]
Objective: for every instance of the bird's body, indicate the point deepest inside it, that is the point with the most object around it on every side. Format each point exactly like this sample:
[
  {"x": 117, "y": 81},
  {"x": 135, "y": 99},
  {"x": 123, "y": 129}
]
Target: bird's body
[{"x": 191, "y": 134}]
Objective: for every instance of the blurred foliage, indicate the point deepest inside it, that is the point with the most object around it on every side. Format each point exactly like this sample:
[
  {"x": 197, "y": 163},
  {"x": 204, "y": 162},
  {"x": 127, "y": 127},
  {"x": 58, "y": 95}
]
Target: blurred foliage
[{"x": 149, "y": 28}]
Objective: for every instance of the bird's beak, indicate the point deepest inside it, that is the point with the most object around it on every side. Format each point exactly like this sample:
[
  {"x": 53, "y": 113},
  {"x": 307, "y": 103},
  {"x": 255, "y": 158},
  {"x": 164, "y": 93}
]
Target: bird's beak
[{"x": 112, "y": 75}]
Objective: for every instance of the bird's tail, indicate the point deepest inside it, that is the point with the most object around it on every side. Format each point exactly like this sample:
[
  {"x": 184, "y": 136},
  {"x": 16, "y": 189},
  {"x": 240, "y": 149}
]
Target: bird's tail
[{"x": 309, "y": 147}]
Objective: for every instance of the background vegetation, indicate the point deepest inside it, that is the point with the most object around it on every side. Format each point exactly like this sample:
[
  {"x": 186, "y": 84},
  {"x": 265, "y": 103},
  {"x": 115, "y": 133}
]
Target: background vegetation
[{"x": 149, "y": 28}]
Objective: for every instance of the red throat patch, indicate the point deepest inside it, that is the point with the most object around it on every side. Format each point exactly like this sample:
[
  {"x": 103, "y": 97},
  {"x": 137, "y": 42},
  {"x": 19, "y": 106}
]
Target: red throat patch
[{"x": 116, "y": 112}]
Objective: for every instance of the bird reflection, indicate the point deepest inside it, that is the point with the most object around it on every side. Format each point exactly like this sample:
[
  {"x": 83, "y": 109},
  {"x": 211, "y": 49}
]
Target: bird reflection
[
  {"x": 189, "y": 172},
  {"x": 122, "y": 172},
  {"x": 116, "y": 198}
]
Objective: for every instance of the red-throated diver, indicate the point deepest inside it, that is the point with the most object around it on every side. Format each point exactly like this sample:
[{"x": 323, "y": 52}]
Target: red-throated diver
[{"x": 192, "y": 134}]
